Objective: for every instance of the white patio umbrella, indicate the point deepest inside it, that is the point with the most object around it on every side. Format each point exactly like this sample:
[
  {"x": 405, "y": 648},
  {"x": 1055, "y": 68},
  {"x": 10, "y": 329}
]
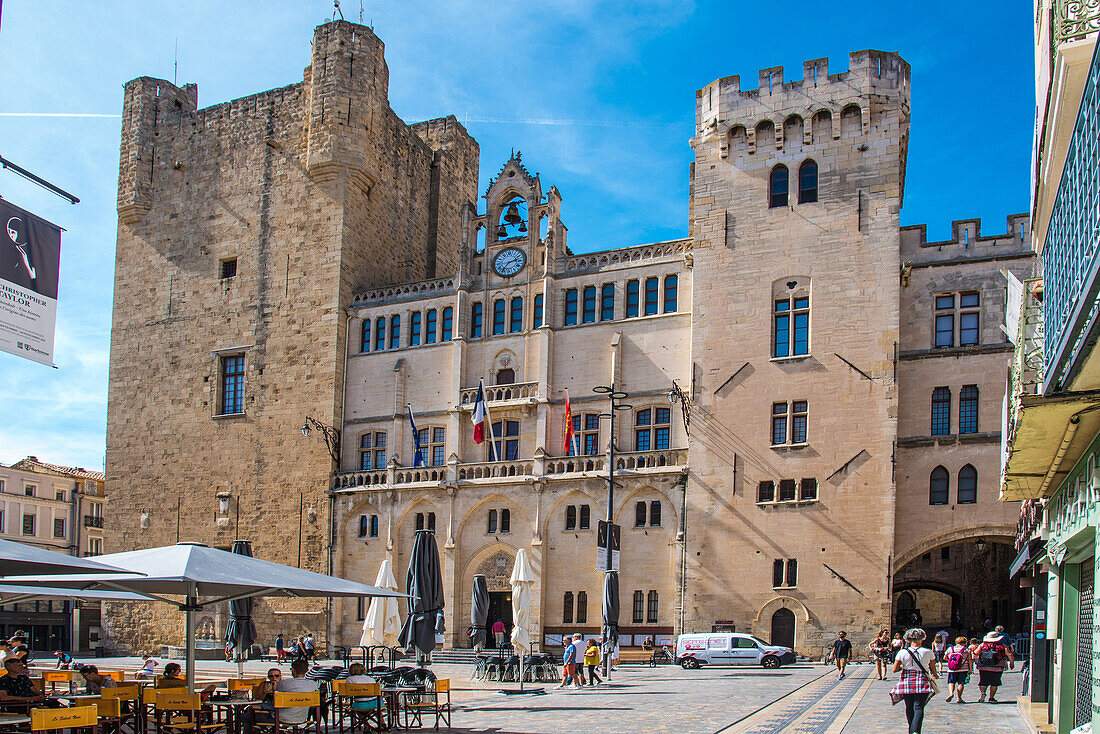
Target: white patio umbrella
[
  {"x": 204, "y": 576},
  {"x": 523, "y": 578},
  {"x": 22, "y": 559},
  {"x": 383, "y": 621}
]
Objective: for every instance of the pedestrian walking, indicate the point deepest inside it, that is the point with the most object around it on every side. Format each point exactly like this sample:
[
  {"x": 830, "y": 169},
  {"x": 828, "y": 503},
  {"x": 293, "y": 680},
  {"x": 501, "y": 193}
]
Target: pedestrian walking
[
  {"x": 991, "y": 658},
  {"x": 592, "y": 661},
  {"x": 939, "y": 646},
  {"x": 569, "y": 660},
  {"x": 895, "y": 646},
  {"x": 310, "y": 647},
  {"x": 959, "y": 664},
  {"x": 840, "y": 651},
  {"x": 917, "y": 666},
  {"x": 498, "y": 633},
  {"x": 280, "y": 648},
  {"x": 880, "y": 652}
]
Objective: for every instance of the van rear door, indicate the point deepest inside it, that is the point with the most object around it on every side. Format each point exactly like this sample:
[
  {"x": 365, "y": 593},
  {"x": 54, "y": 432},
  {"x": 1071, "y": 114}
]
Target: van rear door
[{"x": 718, "y": 649}]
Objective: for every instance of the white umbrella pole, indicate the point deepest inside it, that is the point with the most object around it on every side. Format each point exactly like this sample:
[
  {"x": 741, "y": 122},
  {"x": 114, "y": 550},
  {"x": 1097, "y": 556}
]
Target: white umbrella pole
[{"x": 189, "y": 620}]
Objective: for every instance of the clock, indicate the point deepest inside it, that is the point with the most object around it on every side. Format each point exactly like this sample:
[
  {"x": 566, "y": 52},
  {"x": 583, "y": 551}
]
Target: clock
[{"x": 509, "y": 261}]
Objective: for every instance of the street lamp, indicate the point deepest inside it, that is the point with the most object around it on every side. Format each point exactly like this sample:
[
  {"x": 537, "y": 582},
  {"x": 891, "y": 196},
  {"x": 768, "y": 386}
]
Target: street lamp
[
  {"x": 613, "y": 395},
  {"x": 330, "y": 435}
]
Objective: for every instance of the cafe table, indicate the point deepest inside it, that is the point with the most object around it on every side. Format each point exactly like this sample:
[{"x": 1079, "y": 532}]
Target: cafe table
[
  {"x": 393, "y": 696},
  {"x": 235, "y": 711}
]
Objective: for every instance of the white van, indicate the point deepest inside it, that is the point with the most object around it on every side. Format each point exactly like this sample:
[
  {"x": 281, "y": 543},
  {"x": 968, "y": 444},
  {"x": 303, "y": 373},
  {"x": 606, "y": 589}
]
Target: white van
[{"x": 729, "y": 648}]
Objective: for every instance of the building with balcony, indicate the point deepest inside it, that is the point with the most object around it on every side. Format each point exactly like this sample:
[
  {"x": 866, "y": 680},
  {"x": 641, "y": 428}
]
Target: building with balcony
[
  {"x": 1052, "y": 438},
  {"x": 58, "y": 508}
]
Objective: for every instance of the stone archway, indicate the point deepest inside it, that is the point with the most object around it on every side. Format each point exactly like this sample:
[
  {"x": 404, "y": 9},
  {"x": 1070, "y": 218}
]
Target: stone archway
[
  {"x": 783, "y": 628},
  {"x": 799, "y": 615},
  {"x": 497, "y": 570}
]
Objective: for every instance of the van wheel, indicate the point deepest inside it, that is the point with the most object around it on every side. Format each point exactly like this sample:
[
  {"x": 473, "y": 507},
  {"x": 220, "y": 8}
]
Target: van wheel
[
  {"x": 689, "y": 664},
  {"x": 770, "y": 662}
]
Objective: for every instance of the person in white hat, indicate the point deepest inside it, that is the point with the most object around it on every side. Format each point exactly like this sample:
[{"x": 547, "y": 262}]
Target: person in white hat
[{"x": 991, "y": 658}]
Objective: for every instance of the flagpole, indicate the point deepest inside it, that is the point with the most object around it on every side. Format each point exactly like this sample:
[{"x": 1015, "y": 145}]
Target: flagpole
[{"x": 492, "y": 435}]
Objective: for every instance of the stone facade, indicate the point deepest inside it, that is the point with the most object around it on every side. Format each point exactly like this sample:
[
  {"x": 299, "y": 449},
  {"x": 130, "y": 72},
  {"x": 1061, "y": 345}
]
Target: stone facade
[{"x": 774, "y": 345}]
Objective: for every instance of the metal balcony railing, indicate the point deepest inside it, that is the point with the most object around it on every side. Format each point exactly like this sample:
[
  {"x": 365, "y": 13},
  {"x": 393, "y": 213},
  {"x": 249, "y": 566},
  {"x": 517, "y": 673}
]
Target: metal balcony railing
[
  {"x": 92, "y": 521},
  {"x": 1075, "y": 19},
  {"x": 1070, "y": 260}
]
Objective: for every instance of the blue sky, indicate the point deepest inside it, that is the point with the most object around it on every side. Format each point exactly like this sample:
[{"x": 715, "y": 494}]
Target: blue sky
[{"x": 599, "y": 96}]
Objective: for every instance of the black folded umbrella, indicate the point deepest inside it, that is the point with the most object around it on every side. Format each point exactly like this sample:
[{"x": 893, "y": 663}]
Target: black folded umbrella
[
  {"x": 479, "y": 612},
  {"x": 241, "y": 632},
  {"x": 424, "y": 585},
  {"x": 610, "y": 615}
]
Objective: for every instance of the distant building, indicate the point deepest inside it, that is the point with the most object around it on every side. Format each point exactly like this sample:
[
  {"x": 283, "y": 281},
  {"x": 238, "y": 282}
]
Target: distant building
[
  {"x": 58, "y": 508},
  {"x": 809, "y": 436}
]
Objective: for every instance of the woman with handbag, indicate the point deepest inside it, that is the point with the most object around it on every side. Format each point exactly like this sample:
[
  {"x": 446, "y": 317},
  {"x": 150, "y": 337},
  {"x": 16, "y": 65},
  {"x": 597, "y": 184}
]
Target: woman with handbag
[{"x": 917, "y": 665}]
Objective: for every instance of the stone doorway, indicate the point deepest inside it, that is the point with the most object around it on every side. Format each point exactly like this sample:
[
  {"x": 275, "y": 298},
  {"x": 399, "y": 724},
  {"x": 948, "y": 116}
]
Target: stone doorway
[
  {"x": 783, "y": 628},
  {"x": 500, "y": 608}
]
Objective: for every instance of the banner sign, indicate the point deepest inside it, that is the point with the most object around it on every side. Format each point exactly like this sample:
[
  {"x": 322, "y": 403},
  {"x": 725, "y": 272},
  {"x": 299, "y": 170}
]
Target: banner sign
[
  {"x": 601, "y": 546},
  {"x": 30, "y": 261}
]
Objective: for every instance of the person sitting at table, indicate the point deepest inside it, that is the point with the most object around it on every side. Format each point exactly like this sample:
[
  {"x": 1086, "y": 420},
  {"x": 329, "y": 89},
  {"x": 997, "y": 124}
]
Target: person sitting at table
[
  {"x": 148, "y": 667},
  {"x": 19, "y": 647},
  {"x": 357, "y": 675},
  {"x": 265, "y": 691},
  {"x": 293, "y": 715},
  {"x": 17, "y": 687},
  {"x": 171, "y": 677},
  {"x": 95, "y": 681}
]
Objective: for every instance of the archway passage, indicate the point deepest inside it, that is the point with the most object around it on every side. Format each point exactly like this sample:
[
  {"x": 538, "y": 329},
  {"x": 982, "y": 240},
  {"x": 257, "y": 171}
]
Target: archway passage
[
  {"x": 962, "y": 588},
  {"x": 500, "y": 609},
  {"x": 783, "y": 628}
]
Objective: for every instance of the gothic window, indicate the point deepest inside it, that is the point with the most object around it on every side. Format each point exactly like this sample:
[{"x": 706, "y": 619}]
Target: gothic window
[
  {"x": 505, "y": 521},
  {"x": 589, "y": 313},
  {"x": 582, "y": 607},
  {"x": 778, "y": 186},
  {"x": 414, "y": 329},
  {"x": 380, "y": 334},
  {"x": 941, "y": 411},
  {"x": 652, "y": 286},
  {"x": 515, "y": 315},
  {"x": 364, "y": 341},
  {"x": 651, "y": 608},
  {"x": 476, "y": 315},
  {"x": 632, "y": 292},
  {"x": 425, "y": 521},
  {"x": 791, "y": 322},
  {"x": 968, "y": 485},
  {"x": 567, "y": 608},
  {"x": 671, "y": 282},
  {"x": 939, "y": 486},
  {"x": 585, "y": 521},
  {"x": 571, "y": 517},
  {"x": 638, "y": 616},
  {"x": 571, "y": 307},
  {"x": 607, "y": 302},
  {"x": 372, "y": 451},
  {"x": 430, "y": 323},
  {"x": 498, "y": 316},
  {"x": 639, "y": 514},
  {"x": 373, "y": 529},
  {"x": 492, "y": 522},
  {"x": 784, "y": 573},
  {"x": 655, "y": 514},
  {"x": 807, "y": 182},
  {"x": 536, "y": 316},
  {"x": 448, "y": 324},
  {"x": 968, "y": 409}
]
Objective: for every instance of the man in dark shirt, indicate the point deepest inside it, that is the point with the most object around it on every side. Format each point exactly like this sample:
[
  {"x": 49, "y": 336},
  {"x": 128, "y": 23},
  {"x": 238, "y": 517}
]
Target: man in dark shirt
[
  {"x": 841, "y": 651},
  {"x": 16, "y": 687}
]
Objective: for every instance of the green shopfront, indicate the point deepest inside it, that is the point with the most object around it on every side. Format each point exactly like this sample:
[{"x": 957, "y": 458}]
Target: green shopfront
[{"x": 1072, "y": 515}]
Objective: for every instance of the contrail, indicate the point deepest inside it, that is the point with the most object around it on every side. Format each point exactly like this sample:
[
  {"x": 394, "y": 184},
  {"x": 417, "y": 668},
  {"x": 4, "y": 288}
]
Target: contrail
[{"x": 53, "y": 114}]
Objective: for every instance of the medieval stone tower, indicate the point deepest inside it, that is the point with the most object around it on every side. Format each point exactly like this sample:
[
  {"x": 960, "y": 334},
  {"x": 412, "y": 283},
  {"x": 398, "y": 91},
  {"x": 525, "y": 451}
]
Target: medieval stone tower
[
  {"x": 796, "y": 192},
  {"x": 244, "y": 229}
]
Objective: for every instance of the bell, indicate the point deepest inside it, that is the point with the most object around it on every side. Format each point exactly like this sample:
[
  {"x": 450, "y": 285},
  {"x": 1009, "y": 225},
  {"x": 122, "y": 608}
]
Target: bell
[
  {"x": 501, "y": 232},
  {"x": 512, "y": 217},
  {"x": 523, "y": 226}
]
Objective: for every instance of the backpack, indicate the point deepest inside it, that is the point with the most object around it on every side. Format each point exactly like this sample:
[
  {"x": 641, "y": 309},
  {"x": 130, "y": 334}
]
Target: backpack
[
  {"x": 956, "y": 659},
  {"x": 989, "y": 656}
]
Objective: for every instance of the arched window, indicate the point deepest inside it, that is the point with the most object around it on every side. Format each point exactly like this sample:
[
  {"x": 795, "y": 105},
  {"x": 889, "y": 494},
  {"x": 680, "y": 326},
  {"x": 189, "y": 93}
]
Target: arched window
[
  {"x": 738, "y": 139},
  {"x": 448, "y": 324},
  {"x": 571, "y": 517},
  {"x": 374, "y": 526},
  {"x": 364, "y": 342},
  {"x": 582, "y": 607},
  {"x": 671, "y": 282},
  {"x": 429, "y": 326},
  {"x": 968, "y": 485},
  {"x": 420, "y": 521},
  {"x": 380, "y": 334},
  {"x": 822, "y": 127},
  {"x": 851, "y": 122},
  {"x": 639, "y": 514},
  {"x": 414, "y": 329},
  {"x": 655, "y": 513},
  {"x": 505, "y": 521},
  {"x": 476, "y": 312},
  {"x": 793, "y": 128},
  {"x": 506, "y": 376},
  {"x": 567, "y": 608},
  {"x": 939, "y": 486},
  {"x": 586, "y": 517},
  {"x": 431, "y": 521},
  {"x": 395, "y": 331},
  {"x": 778, "y": 186},
  {"x": 492, "y": 521},
  {"x": 515, "y": 315},
  {"x": 639, "y": 608},
  {"x": 651, "y": 608},
  {"x": 498, "y": 316},
  {"x": 807, "y": 182},
  {"x": 765, "y": 135}
]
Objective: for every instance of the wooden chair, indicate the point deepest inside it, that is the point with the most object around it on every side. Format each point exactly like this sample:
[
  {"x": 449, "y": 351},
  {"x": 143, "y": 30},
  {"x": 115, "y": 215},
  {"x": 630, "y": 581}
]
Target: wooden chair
[
  {"x": 243, "y": 684},
  {"x": 287, "y": 700},
  {"x": 360, "y": 703},
  {"x": 147, "y": 706},
  {"x": 430, "y": 702},
  {"x": 53, "y": 677},
  {"x": 117, "y": 675},
  {"x": 77, "y": 717},
  {"x": 128, "y": 698},
  {"x": 178, "y": 710}
]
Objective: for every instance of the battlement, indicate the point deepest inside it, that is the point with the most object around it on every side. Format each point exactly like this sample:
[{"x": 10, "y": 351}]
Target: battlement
[{"x": 967, "y": 240}]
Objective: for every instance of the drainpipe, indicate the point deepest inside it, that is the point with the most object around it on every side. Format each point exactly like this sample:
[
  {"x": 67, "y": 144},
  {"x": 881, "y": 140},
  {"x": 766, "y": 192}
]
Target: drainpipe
[
  {"x": 331, "y": 623},
  {"x": 681, "y": 538}
]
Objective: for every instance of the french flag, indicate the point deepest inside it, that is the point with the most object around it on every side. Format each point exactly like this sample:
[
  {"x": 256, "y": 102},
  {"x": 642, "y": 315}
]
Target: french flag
[{"x": 481, "y": 413}]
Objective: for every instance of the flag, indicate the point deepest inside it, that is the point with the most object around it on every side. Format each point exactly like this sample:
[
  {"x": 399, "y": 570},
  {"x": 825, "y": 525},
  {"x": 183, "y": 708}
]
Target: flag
[
  {"x": 481, "y": 414},
  {"x": 418, "y": 455},
  {"x": 568, "y": 425}
]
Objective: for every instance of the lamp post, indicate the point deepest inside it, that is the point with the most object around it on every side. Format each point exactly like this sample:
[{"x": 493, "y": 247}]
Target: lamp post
[
  {"x": 613, "y": 395},
  {"x": 330, "y": 435}
]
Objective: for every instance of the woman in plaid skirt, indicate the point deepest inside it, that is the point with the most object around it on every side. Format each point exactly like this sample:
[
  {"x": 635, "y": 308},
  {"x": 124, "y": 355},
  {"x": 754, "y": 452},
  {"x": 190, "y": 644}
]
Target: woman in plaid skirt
[{"x": 915, "y": 687}]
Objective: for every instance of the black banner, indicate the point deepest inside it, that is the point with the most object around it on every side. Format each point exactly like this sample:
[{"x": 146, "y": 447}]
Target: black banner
[{"x": 30, "y": 255}]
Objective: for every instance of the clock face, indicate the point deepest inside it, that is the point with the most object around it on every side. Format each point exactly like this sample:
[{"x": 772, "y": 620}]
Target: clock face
[{"x": 509, "y": 261}]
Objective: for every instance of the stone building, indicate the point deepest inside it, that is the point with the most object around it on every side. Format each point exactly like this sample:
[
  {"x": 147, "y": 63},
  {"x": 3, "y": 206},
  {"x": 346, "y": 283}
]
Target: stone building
[
  {"x": 59, "y": 508},
  {"x": 773, "y": 361}
]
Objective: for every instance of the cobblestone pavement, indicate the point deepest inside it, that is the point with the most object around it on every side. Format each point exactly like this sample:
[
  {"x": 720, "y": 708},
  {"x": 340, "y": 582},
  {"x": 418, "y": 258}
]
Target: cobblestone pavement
[{"x": 796, "y": 699}]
